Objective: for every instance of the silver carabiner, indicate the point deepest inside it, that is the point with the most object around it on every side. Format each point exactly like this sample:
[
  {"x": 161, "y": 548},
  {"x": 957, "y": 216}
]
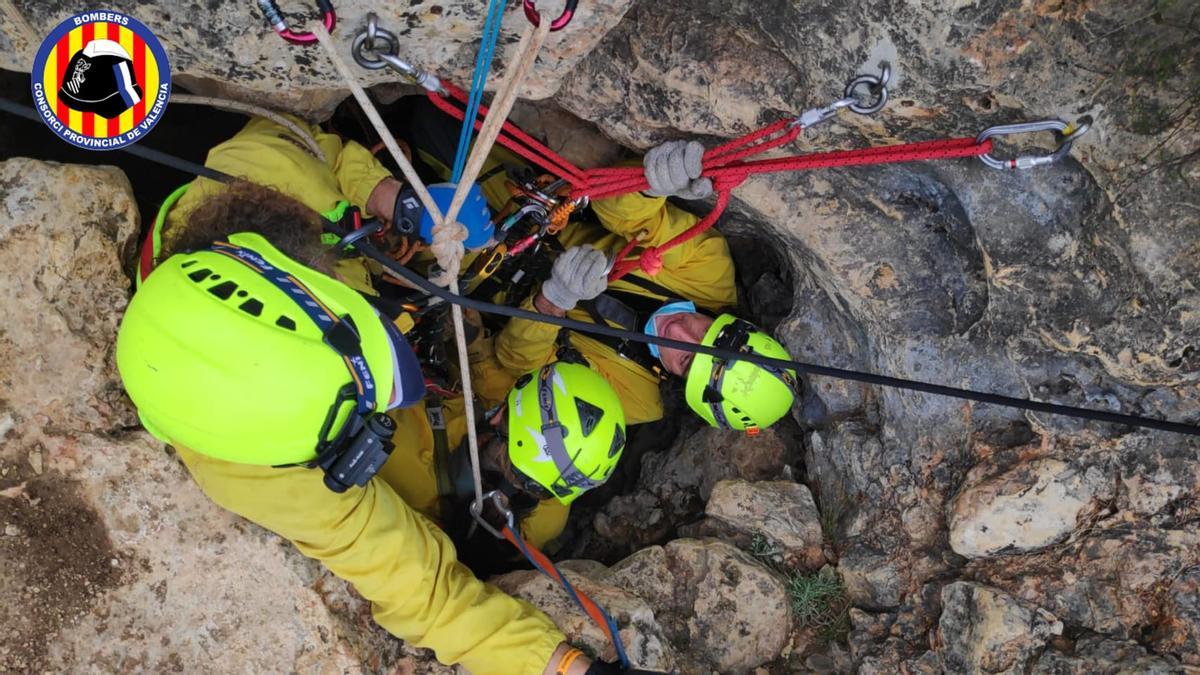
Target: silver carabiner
[
  {"x": 477, "y": 513},
  {"x": 1067, "y": 133}
]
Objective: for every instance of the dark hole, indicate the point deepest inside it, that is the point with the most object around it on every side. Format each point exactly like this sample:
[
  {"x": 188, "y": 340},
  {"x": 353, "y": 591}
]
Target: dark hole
[
  {"x": 284, "y": 322},
  {"x": 251, "y": 306},
  {"x": 242, "y": 294},
  {"x": 224, "y": 289},
  {"x": 189, "y": 264},
  {"x": 199, "y": 275}
]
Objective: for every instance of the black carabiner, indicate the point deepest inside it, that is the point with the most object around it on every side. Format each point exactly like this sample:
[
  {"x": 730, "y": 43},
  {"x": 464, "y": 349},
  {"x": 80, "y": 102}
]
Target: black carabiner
[{"x": 560, "y": 23}]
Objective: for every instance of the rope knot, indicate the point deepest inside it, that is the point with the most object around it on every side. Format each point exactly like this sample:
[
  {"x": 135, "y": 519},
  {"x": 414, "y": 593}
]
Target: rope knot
[
  {"x": 447, "y": 247},
  {"x": 651, "y": 261}
]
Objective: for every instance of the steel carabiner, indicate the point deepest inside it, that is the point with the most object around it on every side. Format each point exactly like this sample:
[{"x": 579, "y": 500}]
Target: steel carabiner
[
  {"x": 558, "y": 24},
  {"x": 476, "y": 509},
  {"x": 280, "y": 24},
  {"x": 1068, "y": 134}
]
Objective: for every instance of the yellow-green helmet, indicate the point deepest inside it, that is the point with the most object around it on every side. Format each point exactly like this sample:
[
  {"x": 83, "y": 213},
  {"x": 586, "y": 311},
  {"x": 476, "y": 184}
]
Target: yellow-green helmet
[
  {"x": 219, "y": 359},
  {"x": 566, "y": 429},
  {"x": 740, "y": 395}
]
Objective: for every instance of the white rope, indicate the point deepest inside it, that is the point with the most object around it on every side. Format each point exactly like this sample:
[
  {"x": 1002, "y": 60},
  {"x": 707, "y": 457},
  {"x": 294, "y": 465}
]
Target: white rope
[
  {"x": 256, "y": 111},
  {"x": 448, "y": 233},
  {"x": 406, "y": 167}
]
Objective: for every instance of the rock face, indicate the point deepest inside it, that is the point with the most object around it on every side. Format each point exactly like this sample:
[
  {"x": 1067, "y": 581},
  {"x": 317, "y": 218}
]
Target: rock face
[
  {"x": 226, "y": 48},
  {"x": 675, "y": 484},
  {"x": 693, "y": 605},
  {"x": 722, "y": 609},
  {"x": 641, "y": 634},
  {"x": 781, "y": 514},
  {"x": 1033, "y": 506},
  {"x": 1071, "y": 283},
  {"x": 986, "y": 631},
  {"x": 111, "y": 558}
]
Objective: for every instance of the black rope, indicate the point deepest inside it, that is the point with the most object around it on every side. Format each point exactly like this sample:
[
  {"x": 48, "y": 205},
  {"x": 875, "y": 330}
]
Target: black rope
[
  {"x": 149, "y": 154},
  {"x": 366, "y": 248}
]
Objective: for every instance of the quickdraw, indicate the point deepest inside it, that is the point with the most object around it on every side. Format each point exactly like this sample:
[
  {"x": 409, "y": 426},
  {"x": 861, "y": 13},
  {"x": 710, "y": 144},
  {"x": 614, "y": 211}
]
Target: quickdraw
[{"x": 280, "y": 24}]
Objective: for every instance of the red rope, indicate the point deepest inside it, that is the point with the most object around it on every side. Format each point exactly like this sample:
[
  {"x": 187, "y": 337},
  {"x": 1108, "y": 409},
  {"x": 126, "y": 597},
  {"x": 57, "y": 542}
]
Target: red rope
[
  {"x": 726, "y": 165},
  {"x": 513, "y": 138},
  {"x": 728, "y": 177}
]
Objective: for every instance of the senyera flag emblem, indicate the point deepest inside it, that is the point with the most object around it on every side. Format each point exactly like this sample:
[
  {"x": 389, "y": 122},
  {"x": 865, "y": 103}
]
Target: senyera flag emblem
[{"x": 101, "y": 80}]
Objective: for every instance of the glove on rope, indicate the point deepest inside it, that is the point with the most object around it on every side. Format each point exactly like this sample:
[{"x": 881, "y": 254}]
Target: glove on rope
[
  {"x": 578, "y": 274},
  {"x": 673, "y": 170}
]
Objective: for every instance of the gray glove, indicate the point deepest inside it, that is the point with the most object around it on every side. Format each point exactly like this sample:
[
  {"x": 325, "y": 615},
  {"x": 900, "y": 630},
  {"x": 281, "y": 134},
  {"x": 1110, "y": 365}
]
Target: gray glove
[
  {"x": 578, "y": 274},
  {"x": 673, "y": 170}
]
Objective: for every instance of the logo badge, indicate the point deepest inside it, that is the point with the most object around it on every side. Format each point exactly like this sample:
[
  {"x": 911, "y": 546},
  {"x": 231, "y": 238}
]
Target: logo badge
[{"x": 101, "y": 80}]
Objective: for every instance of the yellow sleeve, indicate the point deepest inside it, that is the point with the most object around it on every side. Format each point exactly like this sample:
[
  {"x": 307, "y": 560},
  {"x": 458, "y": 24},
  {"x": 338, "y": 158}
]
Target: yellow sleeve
[
  {"x": 545, "y": 523},
  {"x": 394, "y": 557},
  {"x": 357, "y": 172},
  {"x": 700, "y": 269},
  {"x": 524, "y": 345}
]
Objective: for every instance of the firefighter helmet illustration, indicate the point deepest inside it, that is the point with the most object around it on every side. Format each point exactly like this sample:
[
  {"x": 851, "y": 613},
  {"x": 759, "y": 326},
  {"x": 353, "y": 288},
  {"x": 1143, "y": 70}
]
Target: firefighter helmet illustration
[{"x": 100, "y": 79}]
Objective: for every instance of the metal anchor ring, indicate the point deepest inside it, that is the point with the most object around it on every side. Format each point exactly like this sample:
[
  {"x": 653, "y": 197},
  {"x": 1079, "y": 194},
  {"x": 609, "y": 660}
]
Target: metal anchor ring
[
  {"x": 876, "y": 86},
  {"x": 371, "y": 47}
]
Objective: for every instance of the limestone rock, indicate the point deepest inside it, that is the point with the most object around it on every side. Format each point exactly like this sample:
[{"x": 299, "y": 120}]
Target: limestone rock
[
  {"x": 1179, "y": 631},
  {"x": 226, "y": 48},
  {"x": 1096, "y": 655},
  {"x": 644, "y": 639},
  {"x": 984, "y": 630},
  {"x": 782, "y": 513},
  {"x": 721, "y": 609},
  {"x": 65, "y": 229},
  {"x": 1102, "y": 582},
  {"x": 874, "y": 579},
  {"x": 1030, "y": 507},
  {"x": 674, "y": 484}
]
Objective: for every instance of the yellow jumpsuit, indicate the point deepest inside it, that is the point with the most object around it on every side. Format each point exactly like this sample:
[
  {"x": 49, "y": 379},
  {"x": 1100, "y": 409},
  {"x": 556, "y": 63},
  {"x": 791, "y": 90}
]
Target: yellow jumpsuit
[
  {"x": 700, "y": 270},
  {"x": 372, "y": 537}
]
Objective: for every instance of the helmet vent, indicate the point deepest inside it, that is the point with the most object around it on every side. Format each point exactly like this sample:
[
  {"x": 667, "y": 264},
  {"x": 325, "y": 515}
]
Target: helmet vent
[
  {"x": 200, "y": 275},
  {"x": 188, "y": 263},
  {"x": 618, "y": 442},
  {"x": 589, "y": 416},
  {"x": 285, "y": 323},
  {"x": 252, "y": 307},
  {"x": 223, "y": 290}
]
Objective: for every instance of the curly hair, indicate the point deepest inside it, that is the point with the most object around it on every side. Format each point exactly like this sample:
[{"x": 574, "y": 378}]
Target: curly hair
[{"x": 290, "y": 226}]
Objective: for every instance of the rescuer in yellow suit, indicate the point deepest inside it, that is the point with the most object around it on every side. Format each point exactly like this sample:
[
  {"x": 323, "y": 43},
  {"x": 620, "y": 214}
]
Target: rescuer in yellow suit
[
  {"x": 683, "y": 301},
  {"x": 244, "y": 415}
]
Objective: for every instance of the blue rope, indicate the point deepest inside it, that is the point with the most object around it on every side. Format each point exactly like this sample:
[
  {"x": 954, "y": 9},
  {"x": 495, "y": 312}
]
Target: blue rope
[{"x": 483, "y": 64}]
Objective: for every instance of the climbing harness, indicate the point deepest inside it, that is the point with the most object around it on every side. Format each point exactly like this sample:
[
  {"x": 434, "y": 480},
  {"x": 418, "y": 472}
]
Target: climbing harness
[{"x": 274, "y": 17}]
